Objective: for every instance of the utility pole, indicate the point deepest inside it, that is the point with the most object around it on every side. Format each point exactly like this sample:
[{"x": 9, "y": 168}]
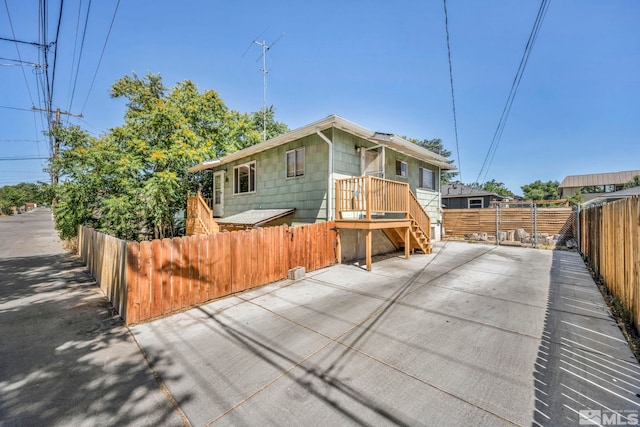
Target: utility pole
[{"x": 56, "y": 144}]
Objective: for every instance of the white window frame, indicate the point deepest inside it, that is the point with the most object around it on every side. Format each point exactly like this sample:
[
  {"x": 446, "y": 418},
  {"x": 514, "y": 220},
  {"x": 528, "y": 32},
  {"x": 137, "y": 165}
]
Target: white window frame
[
  {"x": 421, "y": 172},
  {"x": 475, "y": 199},
  {"x": 295, "y": 166},
  {"x": 255, "y": 178},
  {"x": 404, "y": 172}
]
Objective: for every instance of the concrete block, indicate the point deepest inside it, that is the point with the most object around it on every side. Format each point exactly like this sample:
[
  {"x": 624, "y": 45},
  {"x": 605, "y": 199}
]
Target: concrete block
[{"x": 296, "y": 273}]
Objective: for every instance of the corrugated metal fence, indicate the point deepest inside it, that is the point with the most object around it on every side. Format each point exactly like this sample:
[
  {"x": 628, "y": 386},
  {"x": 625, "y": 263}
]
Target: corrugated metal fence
[
  {"x": 163, "y": 276},
  {"x": 610, "y": 242}
]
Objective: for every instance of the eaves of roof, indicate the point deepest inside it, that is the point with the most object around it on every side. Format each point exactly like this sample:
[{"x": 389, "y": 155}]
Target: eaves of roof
[{"x": 394, "y": 142}]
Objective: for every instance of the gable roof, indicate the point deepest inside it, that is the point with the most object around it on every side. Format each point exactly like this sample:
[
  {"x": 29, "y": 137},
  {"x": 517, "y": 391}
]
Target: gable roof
[
  {"x": 394, "y": 142},
  {"x": 611, "y": 178},
  {"x": 461, "y": 190},
  {"x": 615, "y": 195}
]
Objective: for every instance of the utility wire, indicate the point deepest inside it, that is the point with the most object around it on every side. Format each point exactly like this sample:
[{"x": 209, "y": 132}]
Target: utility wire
[
  {"x": 13, "y": 33},
  {"x": 73, "y": 58},
  {"x": 101, "y": 54},
  {"x": 31, "y": 110},
  {"x": 493, "y": 147},
  {"x": 453, "y": 98},
  {"x": 55, "y": 52},
  {"x": 84, "y": 34}
]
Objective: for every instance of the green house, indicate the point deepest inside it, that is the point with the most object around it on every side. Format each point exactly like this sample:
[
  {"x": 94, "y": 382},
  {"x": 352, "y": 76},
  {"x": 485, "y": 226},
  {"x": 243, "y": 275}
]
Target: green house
[{"x": 298, "y": 171}]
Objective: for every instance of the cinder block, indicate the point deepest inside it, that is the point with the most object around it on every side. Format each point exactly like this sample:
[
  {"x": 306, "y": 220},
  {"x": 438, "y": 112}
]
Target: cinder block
[{"x": 296, "y": 273}]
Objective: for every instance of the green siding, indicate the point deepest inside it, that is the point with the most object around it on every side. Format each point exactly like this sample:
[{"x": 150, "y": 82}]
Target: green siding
[
  {"x": 307, "y": 194},
  {"x": 274, "y": 190}
]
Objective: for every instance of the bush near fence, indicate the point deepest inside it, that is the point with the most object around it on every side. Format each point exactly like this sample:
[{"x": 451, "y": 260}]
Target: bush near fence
[
  {"x": 610, "y": 243},
  {"x": 159, "y": 277}
]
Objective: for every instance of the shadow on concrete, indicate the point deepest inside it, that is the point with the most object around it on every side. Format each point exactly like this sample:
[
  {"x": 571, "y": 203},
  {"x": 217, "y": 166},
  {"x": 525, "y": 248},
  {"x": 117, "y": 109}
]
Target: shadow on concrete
[
  {"x": 584, "y": 370},
  {"x": 65, "y": 357}
]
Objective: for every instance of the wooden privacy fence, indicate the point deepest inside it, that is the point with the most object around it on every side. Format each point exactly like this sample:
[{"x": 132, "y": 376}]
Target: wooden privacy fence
[
  {"x": 458, "y": 222},
  {"x": 610, "y": 242},
  {"x": 105, "y": 257},
  {"x": 163, "y": 276}
]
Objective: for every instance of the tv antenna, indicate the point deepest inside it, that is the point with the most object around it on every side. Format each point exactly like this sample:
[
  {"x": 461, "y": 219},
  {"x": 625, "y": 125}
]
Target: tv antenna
[{"x": 265, "y": 48}]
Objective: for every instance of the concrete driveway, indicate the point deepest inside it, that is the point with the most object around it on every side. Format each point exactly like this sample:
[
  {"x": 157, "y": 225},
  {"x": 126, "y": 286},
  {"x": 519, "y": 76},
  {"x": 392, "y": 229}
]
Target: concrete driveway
[{"x": 471, "y": 335}]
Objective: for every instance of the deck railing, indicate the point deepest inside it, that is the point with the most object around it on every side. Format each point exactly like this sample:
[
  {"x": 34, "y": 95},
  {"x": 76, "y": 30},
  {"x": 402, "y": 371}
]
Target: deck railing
[
  {"x": 418, "y": 214},
  {"x": 362, "y": 196}
]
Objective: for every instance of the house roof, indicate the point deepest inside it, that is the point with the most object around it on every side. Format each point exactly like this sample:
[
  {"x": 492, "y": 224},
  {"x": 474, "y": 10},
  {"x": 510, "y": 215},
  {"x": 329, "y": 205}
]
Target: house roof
[
  {"x": 389, "y": 140},
  {"x": 611, "y": 178},
  {"x": 615, "y": 195},
  {"x": 460, "y": 190},
  {"x": 255, "y": 217}
]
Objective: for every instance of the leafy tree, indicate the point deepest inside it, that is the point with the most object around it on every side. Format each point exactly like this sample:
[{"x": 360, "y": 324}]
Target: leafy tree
[
  {"x": 132, "y": 181},
  {"x": 437, "y": 147},
  {"x": 25, "y": 192},
  {"x": 274, "y": 128},
  {"x": 635, "y": 182},
  {"x": 576, "y": 198},
  {"x": 498, "y": 188},
  {"x": 539, "y": 190}
]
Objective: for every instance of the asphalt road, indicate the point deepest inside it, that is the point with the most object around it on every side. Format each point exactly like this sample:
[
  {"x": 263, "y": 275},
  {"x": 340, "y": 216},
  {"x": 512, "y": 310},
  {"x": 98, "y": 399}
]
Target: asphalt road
[{"x": 65, "y": 359}]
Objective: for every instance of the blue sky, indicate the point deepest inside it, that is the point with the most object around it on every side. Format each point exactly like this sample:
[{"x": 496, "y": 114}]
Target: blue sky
[{"x": 380, "y": 64}]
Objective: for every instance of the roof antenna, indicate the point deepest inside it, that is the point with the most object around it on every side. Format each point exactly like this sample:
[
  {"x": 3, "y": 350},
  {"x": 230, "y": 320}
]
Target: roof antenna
[{"x": 265, "y": 48}]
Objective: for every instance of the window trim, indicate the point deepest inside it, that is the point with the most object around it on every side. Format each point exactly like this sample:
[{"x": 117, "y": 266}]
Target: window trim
[
  {"x": 406, "y": 168},
  {"x": 295, "y": 160},
  {"x": 470, "y": 199},
  {"x": 421, "y": 172},
  {"x": 255, "y": 182}
]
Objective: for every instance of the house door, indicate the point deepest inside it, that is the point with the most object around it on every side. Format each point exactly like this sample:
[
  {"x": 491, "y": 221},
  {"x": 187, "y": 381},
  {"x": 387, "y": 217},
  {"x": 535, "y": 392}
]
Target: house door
[
  {"x": 218, "y": 194},
  {"x": 372, "y": 161}
]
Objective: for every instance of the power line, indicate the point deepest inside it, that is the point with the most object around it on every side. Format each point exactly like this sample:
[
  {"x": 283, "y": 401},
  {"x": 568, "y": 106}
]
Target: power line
[
  {"x": 55, "y": 51},
  {"x": 72, "y": 81},
  {"x": 14, "y": 40},
  {"x": 31, "y": 110},
  {"x": 101, "y": 54},
  {"x": 453, "y": 98},
  {"x": 20, "y": 158},
  {"x": 542, "y": 10}
]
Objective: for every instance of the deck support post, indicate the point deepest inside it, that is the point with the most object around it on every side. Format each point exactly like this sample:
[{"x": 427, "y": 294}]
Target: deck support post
[
  {"x": 368, "y": 242},
  {"x": 407, "y": 243},
  {"x": 338, "y": 247}
]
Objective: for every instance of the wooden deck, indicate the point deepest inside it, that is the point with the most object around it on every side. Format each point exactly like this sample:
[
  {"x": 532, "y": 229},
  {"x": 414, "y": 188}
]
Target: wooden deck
[{"x": 363, "y": 202}]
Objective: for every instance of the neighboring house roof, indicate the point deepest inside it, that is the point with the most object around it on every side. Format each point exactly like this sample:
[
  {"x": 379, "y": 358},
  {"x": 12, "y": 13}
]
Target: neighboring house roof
[
  {"x": 255, "y": 217},
  {"x": 392, "y": 141},
  {"x": 461, "y": 190},
  {"x": 611, "y": 178},
  {"x": 615, "y": 195}
]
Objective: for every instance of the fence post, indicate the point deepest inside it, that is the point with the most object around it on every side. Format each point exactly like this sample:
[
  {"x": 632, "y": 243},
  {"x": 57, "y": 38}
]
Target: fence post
[
  {"x": 578, "y": 230},
  {"x": 497, "y": 224},
  {"x": 535, "y": 225}
]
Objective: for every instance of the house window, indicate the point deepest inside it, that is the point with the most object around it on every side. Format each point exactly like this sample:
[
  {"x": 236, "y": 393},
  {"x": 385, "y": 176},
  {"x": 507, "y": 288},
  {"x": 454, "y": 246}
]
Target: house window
[
  {"x": 295, "y": 162},
  {"x": 475, "y": 203},
  {"x": 244, "y": 178},
  {"x": 401, "y": 168},
  {"x": 427, "y": 179}
]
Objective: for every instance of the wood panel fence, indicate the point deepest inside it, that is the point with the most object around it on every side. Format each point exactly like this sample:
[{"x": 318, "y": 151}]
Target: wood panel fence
[
  {"x": 105, "y": 257},
  {"x": 458, "y": 222},
  {"x": 610, "y": 243},
  {"x": 168, "y": 275}
]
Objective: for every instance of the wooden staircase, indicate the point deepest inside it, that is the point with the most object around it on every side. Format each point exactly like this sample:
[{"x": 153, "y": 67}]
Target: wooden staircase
[
  {"x": 419, "y": 231},
  {"x": 200, "y": 217}
]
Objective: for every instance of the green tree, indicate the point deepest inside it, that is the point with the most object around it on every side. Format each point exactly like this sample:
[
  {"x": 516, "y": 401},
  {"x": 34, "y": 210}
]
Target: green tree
[
  {"x": 132, "y": 181},
  {"x": 435, "y": 145},
  {"x": 24, "y": 192},
  {"x": 274, "y": 128},
  {"x": 539, "y": 190},
  {"x": 635, "y": 182},
  {"x": 497, "y": 187}
]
